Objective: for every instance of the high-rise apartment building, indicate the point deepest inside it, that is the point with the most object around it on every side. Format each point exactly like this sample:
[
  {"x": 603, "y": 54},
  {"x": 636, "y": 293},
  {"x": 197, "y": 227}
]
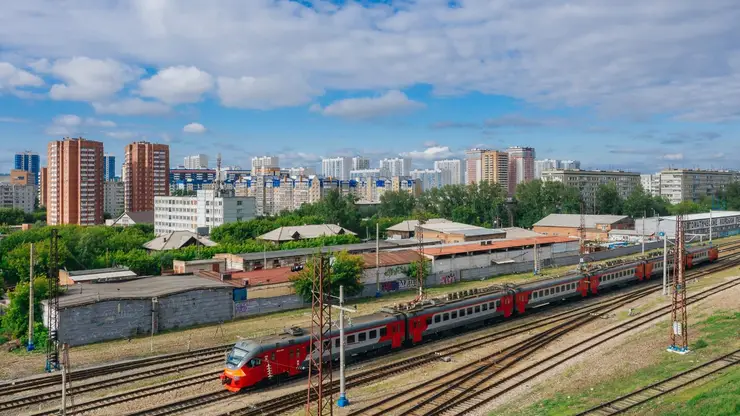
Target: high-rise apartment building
[
  {"x": 588, "y": 182},
  {"x": 360, "y": 174},
  {"x": 198, "y": 161},
  {"x": 22, "y": 177},
  {"x": 554, "y": 164},
  {"x": 680, "y": 185},
  {"x": 109, "y": 167},
  {"x": 301, "y": 171},
  {"x": 495, "y": 167},
  {"x": 452, "y": 169},
  {"x": 29, "y": 162},
  {"x": 17, "y": 196},
  {"x": 521, "y": 166},
  {"x": 146, "y": 171},
  {"x": 360, "y": 163},
  {"x": 397, "y": 166},
  {"x": 113, "y": 196},
  {"x": 204, "y": 211},
  {"x": 473, "y": 165},
  {"x": 75, "y": 182},
  {"x": 431, "y": 178},
  {"x": 265, "y": 165},
  {"x": 336, "y": 167},
  {"x": 651, "y": 184},
  {"x": 569, "y": 164},
  {"x": 43, "y": 186}
]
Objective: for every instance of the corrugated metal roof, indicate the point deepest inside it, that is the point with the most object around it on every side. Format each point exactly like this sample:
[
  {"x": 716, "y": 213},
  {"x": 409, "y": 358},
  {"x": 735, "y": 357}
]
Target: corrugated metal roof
[
  {"x": 109, "y": 275},
  {"x": 391, "y": 258},
  {"x": 574, "y": 220},
  {"x": 265, "y": 276},
  {"x": 351, "y": 248},
  {"x": 497, "y": 245},
  {"x": 304, "y": 231},
  {"x": 410, "y": 225},
  {"x": 176, "y": 239}
]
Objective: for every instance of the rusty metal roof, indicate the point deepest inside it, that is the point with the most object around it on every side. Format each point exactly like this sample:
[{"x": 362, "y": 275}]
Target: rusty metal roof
[
  {"x": 496, "y": 245},
  {"x": 391, "y": 258}
]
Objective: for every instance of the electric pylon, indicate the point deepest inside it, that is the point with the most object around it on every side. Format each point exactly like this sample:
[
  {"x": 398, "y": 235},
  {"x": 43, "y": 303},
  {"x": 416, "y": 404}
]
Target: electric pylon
[
  {"x": 679, "y": 318},
  {"x": 319, "y": 400}
]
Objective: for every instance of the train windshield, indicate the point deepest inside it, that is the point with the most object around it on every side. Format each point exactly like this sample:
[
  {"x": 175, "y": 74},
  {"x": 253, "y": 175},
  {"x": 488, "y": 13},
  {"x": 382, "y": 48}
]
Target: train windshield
[{"x": 236, "y": 356}]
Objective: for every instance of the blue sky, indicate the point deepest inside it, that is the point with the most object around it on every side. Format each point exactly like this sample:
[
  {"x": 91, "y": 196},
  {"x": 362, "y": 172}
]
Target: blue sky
[{"x": 632, "y": 85}]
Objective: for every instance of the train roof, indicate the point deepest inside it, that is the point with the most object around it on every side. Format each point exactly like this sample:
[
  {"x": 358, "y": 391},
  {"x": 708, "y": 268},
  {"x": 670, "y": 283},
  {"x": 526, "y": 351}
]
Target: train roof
[{"x": 461, "y": 297}]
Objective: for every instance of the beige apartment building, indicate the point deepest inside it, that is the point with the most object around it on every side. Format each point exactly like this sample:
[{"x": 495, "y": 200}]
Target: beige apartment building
[
  {"x": 588, "y": 181},
  {"x": 678, "y": 185}
]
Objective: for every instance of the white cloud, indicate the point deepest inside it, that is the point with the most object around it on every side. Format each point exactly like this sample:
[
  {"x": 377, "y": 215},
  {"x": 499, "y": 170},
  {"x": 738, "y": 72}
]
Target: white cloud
[
  {"x": 87, "y": 79},
  {"x": 99, "y": 123},
  {"x": 68, "y": 120},
  {"x": 12, "y": 78},
  {"x": 391, "y": 103},
  {"x": 131, "y": 107},
  {"x": 264, "y": 93},
  {"x": 195, "y": 128},
  {"x": 122, "y": 135},
  {"x": 430, "y": 153},
  {"x": 71, "y": 124},
  {"x": 673, "y": 156},
  {"x": 13, "y": 120},
  {"x": 631, "y": 56},
  {"x": 177, "y": 85}
]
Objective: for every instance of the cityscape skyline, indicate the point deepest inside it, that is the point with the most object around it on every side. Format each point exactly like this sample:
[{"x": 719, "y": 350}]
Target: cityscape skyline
[{"x": 456, "y": 81}]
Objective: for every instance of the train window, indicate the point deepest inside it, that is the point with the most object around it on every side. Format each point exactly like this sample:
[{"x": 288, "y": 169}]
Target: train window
[
  {"x": 362, "y": 337},
  {"x": 470, "y": 311},
  {"x": 446, "y": 317},
  {"x": 336, "y": 343},
  {"x": 462, "y": 312},
  {"x": 477, "y": 309},
  {"x": 383, "y": 332},
  {"x": 350, "y": 339},
  {"x": 454, "y": 315},
  {"x": 437, "y": 318},
  {"x": 492, "y": 305},
  {"x": 429, "y": 320},
  {"x": 254, "y": 362},
  {"x": 534, "y": 295},
  {"x": 373, "y": 334}
]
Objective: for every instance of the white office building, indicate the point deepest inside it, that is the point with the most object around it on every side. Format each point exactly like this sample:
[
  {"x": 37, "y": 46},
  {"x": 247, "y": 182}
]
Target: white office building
[
  {"x": 360, "y": 163},
  {"x": 430, "y": 178},
  {"x": 198, "y": 161},
  {"x": 202, "y": 212},
  {"x": 397, "y": 166},
  {"x": 336, "y": 167},
  {"x": 452, "y": 171},
  {"x": 17, "y": 196},
  {"x": 113, "y": 193},
  {"x": 262, "y": 165}
]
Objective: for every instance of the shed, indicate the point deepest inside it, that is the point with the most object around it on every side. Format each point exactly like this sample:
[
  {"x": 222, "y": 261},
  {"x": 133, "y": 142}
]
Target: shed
[
  {"x": 111, "y": 274},
  {"x": 304, "y": 232},
  {"x": 178, "y": 239}
]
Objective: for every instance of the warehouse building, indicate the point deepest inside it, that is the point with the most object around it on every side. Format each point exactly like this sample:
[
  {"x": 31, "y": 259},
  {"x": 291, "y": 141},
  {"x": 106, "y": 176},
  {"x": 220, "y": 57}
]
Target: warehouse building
[
  {"x": 696, "y": 226},
  {"x": 597, "y": 226}
]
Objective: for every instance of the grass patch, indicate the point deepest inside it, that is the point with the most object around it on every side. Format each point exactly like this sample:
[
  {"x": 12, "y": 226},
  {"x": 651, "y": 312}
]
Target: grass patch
[{"x": 719, "y": 335}]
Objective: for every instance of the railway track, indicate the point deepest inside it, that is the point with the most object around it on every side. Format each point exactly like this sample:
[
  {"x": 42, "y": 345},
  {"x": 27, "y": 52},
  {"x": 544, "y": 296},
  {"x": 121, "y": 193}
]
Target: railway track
[
  {"x": 474, "y": 387},
  {"x": 628, "y": 401},
  {"x": 55, "y": 379}
]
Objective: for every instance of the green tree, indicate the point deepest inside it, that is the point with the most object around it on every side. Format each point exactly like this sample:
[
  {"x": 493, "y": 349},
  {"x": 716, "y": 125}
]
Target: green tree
[
  {"x": 396, "y": 204},
  {"x": 335, "y": 208},
  {"x": 12, "y": 216},
  {"x": 537, "y": 199},
  {"x": 412, "y": 271},
  {"x": 731, "y": 196},
  {"x": 608, "y": 200},
  {"x": 346, "y": 271},
  {"x": 15, "y": 320},
  {"x": 687, "y": 207}
]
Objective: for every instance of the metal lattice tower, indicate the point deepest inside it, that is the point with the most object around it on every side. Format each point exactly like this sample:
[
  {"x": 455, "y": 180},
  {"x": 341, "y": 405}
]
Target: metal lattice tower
[
  {"x": 679, "y": 319},
  {"x": 319, "y": 400},
  {"x": 420, "y": 275},
  {"x": 582, "y": 236},
  {"x": 52, "y": 341}
]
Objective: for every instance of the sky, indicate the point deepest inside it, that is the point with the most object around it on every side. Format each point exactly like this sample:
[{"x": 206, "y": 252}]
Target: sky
[{"x": 635, "y": 85}]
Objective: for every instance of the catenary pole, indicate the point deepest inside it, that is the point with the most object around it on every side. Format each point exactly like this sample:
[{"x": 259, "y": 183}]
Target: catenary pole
[{"x": 30, "y": 345}]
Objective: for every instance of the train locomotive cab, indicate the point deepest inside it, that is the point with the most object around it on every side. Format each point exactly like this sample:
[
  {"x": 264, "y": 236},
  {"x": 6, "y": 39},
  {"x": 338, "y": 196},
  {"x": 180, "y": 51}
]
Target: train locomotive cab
[{"x": 243, "y": 366}]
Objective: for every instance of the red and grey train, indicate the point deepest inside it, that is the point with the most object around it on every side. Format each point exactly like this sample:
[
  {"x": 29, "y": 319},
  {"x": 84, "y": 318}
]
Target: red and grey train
[{"x": 254, "y": 361}]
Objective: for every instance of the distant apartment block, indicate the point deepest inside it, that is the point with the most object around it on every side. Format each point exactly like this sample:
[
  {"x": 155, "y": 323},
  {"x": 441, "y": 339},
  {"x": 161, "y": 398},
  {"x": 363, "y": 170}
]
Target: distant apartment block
[
  {"x": 474, "y": 165},
  {"x": 397, "y": 166},
  {"x": 301, "y": 171},
  {"x": 360, "y": 174},
  {"x": 554, "y": 164},
  {"x": 588, "y": 181},
  {"x": 113, "y": 196},
  {"x": 495, "y": 167},
  {"x": 336, "y": 167},
  {"x": 452, "y": 168},
  {"x": 360, "y": 163},
  {"x": 678, "y": 185},
  {"x": 430, "y": 178},
  {"x": 43, "y": 186},
  {"x": 75, "y": 182},
  {"x": 265, "y": 165},
  {"x": 16, "y": 196},
  {"x": 521, "y": 166},
  {"x": 109, "y": 167},
  {"x": 201, "y": 213},
  {"x": 22, "y": 177},
  {"x": 29, "y": 162},
  {"x": 146, "y": 170},
  {"x": 651, "y": 184},
  {"x": 198, "y": 161}
]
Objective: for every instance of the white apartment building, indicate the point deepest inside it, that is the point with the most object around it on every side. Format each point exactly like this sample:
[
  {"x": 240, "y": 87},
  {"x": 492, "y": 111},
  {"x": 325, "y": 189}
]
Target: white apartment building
[
  {"x": 336, "y": 167},
  {"x": 359, "y": 174},
  {"x": 301, "y": 171},
  {"x": 264, "y": 164},
  {"x": 588, "y": 181},
  {"x": 554, "y": 164},
  {"x": 651, "y": 184},
  {"x": 17, "y": 196},
  {"x": 397, "y": 166},
  {"x": 474, "y": 165},
  {"x": 680, "y": 185},
  {"x": 360, "y": 163},
  {"x": 569, "y": 164},
  {"x": 430, "y": 178},
  {"x": 206, "y": 210},
  {"x": 113, "y": 192},
  {"x": 198, "y": 161},
  {"x": 452, "y": 168}
]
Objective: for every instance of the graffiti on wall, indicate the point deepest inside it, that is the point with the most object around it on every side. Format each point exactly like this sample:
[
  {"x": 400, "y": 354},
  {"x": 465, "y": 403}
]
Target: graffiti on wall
[{"x": 448, "y": 278}]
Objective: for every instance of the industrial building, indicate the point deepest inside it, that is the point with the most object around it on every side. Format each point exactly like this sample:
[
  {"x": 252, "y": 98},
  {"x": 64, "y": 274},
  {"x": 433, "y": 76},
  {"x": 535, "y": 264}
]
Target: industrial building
[
  {"x": 455, "y": 232},
  {"x": 588, "y": 182},
  {"x": 407, "y": 229},
  {"x": 111, "y": 274},
  {"x": 696, "y": 226},
  {"x": 597, "y": 227}
]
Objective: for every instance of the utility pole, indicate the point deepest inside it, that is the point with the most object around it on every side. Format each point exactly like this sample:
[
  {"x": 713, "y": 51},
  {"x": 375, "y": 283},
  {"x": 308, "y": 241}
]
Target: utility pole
[
  {"x": 65, "y": 368},
  {"x": 420, "y": 275},
  {"x": 319, "y": 371},
  {"x": 665, "y": 264},
  {"x": 679, "y": 318},
  {"x": 377, "y": 260},
  {"x": 30, "y": 345},
  {"x": 582, "y": 236},
  {"x": 710, "y": 227},
  {"x": 343, "y": 401},
  {"x": 643, "y": 232},
  {"x": 536, "y": 258}
]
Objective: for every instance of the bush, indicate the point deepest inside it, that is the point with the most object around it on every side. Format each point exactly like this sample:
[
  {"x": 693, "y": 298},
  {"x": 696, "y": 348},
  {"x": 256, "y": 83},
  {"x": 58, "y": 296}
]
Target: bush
[{"x": 699, "y": 344}]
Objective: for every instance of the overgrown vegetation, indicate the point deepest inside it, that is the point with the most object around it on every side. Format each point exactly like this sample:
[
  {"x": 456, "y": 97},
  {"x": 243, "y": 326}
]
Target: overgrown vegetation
[{"x": 344, "y": 270}]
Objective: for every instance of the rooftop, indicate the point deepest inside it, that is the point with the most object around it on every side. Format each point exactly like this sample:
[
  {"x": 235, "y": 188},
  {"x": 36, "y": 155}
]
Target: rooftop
[
  {"x": 350, "y": 248},
  {"x": 141, "y": 288},
  {"x": 390, "y": 258},
  {"x": 497, "y": 245},
  {"x": 263, "y": 277},
  {"x": 177, "y": 239},
  {"x": 515, "y": 233},
  {"x": 574, "y": 220},
  {"x": 140, "y": 217},
  {"x": 704, "y": 215},
  {"x": 410, "y": 225},
  {"x": 449, "y": 227},
  {"x": 302, "y": 232},
  {"x": 111, "y": 273}
]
